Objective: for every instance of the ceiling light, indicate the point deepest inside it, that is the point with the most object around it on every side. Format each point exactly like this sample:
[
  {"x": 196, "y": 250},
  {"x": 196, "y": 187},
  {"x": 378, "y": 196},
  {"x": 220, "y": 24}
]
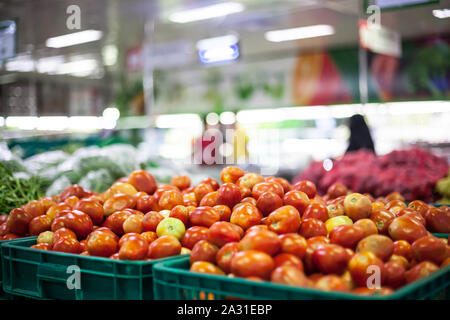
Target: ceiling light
[
  {"x": 208, "y": 12},
  {"x": 110, "y": 53},
  {"x": 299, "y": 33},
  {"x": 441, "y": 13},
  {"x": 49, "y": 64},
  {"x": 78, "y": 67},
  {"x": 75, "y": 38},
  {"x": 218, "y": 49},
  {"x": 22, "y": 63}
]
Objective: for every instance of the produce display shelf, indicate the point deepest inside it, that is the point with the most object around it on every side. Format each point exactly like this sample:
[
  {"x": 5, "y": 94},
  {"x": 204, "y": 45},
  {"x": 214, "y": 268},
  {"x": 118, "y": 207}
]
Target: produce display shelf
[
  {"x": 173, "y": 280},
  {"x": 41, "y": 274}
]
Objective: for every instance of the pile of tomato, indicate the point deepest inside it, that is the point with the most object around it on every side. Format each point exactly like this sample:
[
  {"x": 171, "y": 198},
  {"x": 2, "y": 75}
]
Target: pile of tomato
[{"x": 249, "y": 226}]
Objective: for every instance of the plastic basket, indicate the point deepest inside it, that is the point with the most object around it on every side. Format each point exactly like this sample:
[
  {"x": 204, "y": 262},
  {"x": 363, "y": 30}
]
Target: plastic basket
[
  {"x": 173, "y": 280},
  {"x": 44, "y": 274}
]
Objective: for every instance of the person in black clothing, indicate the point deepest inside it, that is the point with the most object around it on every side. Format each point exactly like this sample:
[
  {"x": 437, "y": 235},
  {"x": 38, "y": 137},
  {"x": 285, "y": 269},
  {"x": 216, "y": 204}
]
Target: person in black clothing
[{"x": 360, "y": 137}]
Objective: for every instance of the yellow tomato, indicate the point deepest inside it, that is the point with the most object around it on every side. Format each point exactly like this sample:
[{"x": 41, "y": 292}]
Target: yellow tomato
[{"x": 331, "y": 223}]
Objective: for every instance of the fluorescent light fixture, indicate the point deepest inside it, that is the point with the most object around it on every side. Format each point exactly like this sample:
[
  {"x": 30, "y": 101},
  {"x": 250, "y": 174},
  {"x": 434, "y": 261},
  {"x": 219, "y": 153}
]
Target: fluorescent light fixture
[
  {"x": 22, "y": 123},
  {"x": 21, "y": 63},
  {"x": 84, "y": 123},
  {"x": 208, "y": 12},
  {"x": 49, "y": 65},
  {"x": 111, "y": 113},
  {"x": 78, "y": 67},
  {"x": 2, "y": 121},
  {"x": 75, "y": 38},
  {"x": 218, "y": 49},
  {"x": 180, "y": 120},
  {"x": 441, "y": 13},
  {"x": 110, "y": 53},
  {"x": 299, "y": 33},
  {"x": 55, "y": 123}
]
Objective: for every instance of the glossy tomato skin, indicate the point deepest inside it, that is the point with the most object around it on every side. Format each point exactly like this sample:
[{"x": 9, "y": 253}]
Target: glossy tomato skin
[
  {"x": 262, "y": 187},
  {"x": 164, "y": 246},
  {"x": 420, "y": 271},
  {"x": 209, "y": 200},
  {"x": 231, "y": 174},
  {"x": 330, "y": 258},
  {"x": 346, "y": 236},
  {"x": 101, "y": 244},
  {"x": 335, "y": 210},
  {"x": 367, "y": 226},
  {"x": 128, "y": 236},
  {"x": 293, "y": 243},
  {"x": 92, "y": 208},
  {"x": 201, "y": 190},
  {"x": 73, "y": 190},
  {"x": 212, "y": 182},
  {"x": 180, "y": 212},
  {"x": 34, "y": 208},
  {"x": 55, "y": 209},
  {"x": 39, "y": 224},
  {"x": 252, "y": 263},
  {"x": 204, "y": 251},
  {"x": 429, "y": 248},
  {"x": 181, "y": 182},
  {"x": 116, "y": 220},
  {"x": 146, "y": 203},
  {"x": 248, "y": 180},
  {"x": 205, "y": 267},
  {"x": 204, "y": 216},
  {"x": 68, "y": 245},
  {"x": 42, "y": 246},
  {"x": 77, "y": 221},
  {"x": 359, "y": 264},
  {"x": 381, "y": 246},
  {"x": 394, "y": 274},
  {"x": 229, "y": 194},
  {"x": 357, "y": 206},
  {"x": 222, "y": 232},
  {"x": 224, "y": 212},
  {"x": 316, "y": 211},
  {"x": 170, "y": 199},
  {"x": 403, "y": 228},
  {"x": 46, "y": 237},
  {"x": 262, "y": 240},
  {"x": 171, "y": 226},
  {"x": 18, "y": 221},
  {"x": 142, "y": 181},
  {"x": 63, "y": 233},
  {"x": 288, "y": 259},
  {"x": 312, "y": 228},
  {"x": 283, "y": 182},
  {"x": 307, "y": 187},
  {"x": 284, "y": 220},
  {"x": 161, "y": 189},
  {"x": 298, "y": 199},
  {"x": 245, "y": 216},
  {"x": 225, "y": 255},
  {"x": 382, "y": 219},
  {"x": 134, "y": 249},
  {"x": 438, "y": 220},
  {"x": 289, "y": 275},
  {"x": 336, "y": 190},
  {"x": 151, "y": 221},
  {"x": 133, "y": 224},
  {"x": 419, "y": 206},
  {"x": 118, "y": 202},
  {"x": 331, "y": 283},
  {"x": 193, "y": 235},
  {"x": 268, "y": 202}
]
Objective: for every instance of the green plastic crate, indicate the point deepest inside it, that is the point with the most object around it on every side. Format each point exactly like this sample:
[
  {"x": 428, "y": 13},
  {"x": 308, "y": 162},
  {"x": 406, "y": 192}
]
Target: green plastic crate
[
  {"x": 41, "y": 274},
  {"x": 173, "y": 280}
]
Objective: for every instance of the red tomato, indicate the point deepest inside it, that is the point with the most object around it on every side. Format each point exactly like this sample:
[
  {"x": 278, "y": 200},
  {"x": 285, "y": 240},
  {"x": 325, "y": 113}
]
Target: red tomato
[
  {"x": 252, "y": 263},
  {"x": 357, "y": 206},
  {"x": 151, "y": 221},
  {"x": 164, "y": 246},
  {"x": 336, "y": 190},
  {"x": 359, "y": 267},
  {"x": 288, "y": 259},
  {"x": 312, "y": 228},
  {"x": 205, "y": 267},
  {"x": 335, "y": 210},
  {"x": 367, "y": 226},
  {"x": 18, "y": 221},
  {"x": 133, "y": 224},
  {"x": 74, "y": 190},
  {"x": 92, "y": 208},
  {"x": 289, "y": 275},
  {"x": 229, "y": 194},
  {"x": 146, "y": 203},
  {"x": 382, "y": 219},
  {"x": 438, "y": 220},
  {"x": 420, "y": 271},
  {"x": 10, "y": 236},
  {"x": 262, "y": 240},
  {"x": 307, "y": 187},
  {"x": 142, "y": 181},
  {"x": 101, "y": 244},
  {"x": 222, "y": 232},
  {"x": 34, "y": 208},
  {"x": 134, "y": 249},
  {"x": 46, "y": 202},
  {"x": 231, "y": 174},
  {"x": 316, "y": 211},
  {"x": 204, "y": 216},
  {"x": 245, "y": 216},
  {"x": 189, "y": 199},
  {"x": 161, "y": 189},
  {"x": 39, "y": 224},
  {"x": 403, "y": 248},
  {"x": 212, "y": 182},
  {"x": 429, "y": 248},
  {"x": 72, "y": 201},
  {"x": 284, "y": 183},
  {"x": 67, "y": 244},
  {"x": 284, "y": 220},
  {"x": 330, "y": 258},
  {"x": 394, "y": 274},
  {"x": 419, "y": 206},
  {"x": 268, "y": 202},
  {"x": 128, "y": 236},
  {"x": 346, "y": 236},
  {"x": 259, "y": 188},
  {"x": 225, "y": 255},
  {"x": 331, "y": 283},
  {"x": 57, "y": 208},
  {"x": 201, "y": 190},
  {"x": 257, "y": 227},
  {"x": 204, "y": 251},
  {"x": 298, "y": 199},
  {"x": 193, "y": 235},
  {"x": 293, "y": 243},
  {"x": 150, "y": 236},
  {"x": 180, "y": 212},
  {"x": 380, "y": 245},
  {"x": 170, "y": 199},
  {"x": 181, "y": 182},
  {"x": 210, "y": 199},
  {"x": 248, "y": 180},
  {"x": 63, "y": 233},
  {"x": 403, "y": 228},
  {"x": 118, "y": 202},
  {"x": 224, "y": 211},
  {"x": 42, "y": 246},
  {"x": 75, "y": 220},
  {"x": 116, "y": 220},
  {"x": 3, "y": 229}
]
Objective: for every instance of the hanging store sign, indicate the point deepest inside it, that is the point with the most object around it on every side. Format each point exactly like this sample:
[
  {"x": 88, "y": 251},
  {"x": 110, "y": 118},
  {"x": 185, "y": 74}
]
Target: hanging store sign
[{"x": 378, "y": 39}]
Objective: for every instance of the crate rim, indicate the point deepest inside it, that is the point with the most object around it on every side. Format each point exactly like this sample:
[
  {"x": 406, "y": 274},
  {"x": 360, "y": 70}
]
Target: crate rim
[{"x": 398, "y": 294}]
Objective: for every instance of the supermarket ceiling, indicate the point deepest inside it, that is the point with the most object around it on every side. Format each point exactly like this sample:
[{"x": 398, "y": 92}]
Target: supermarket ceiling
[{"x": 123, "y": 23}]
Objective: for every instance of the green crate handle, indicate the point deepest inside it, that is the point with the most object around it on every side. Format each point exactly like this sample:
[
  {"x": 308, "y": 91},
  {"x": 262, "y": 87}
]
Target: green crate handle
[{"x": 50, "y": 272}]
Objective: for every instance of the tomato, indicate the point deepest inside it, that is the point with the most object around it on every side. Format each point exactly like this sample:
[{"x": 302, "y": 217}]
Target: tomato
[
  {"x": 210, "y": 199},
  {"x": 403, "y": 248},
  {"x": 336, "y": 190},
  {"x": 293, "y": 243},
  {"x": 403, "y": 228},
  {"x": 146, "y": 203},
  {"x": 231, "y": 174},
  {"x": 180, "y": 212},
  {"x": 42, "y": 246},
  {"x": 133, "y": 224},
  {"x": 193, "y": 235},
  {"x": 248, "y": 180},
  {"x": 347, "y": 236},
  {"x": 74, "y": 190},
  {"x": 55, "y": 209},
  {"x": 116, "y": 220},
  {"x": 201, "y": 190},
  {"x": 419, "y": 206},
  {"x": 252, "y": 263},
  {"x": 284, "y": 183},
  {"x": 142, "y": 181},
  {"x": 382, "y": 219},
  {"x": 225, "y": 255},
  {"x": 259, "y": 188},
  {"x": 128, "y": 236},
  {"x": 171, "y": 226},
  {"x": 229, "y": 194},
  {"x": 367, "y": 226},
  {"x": 289, "y": 275},
  {"x": 298, "y": 199},
  {"x": 245, "y": 216},
  {"x": 151, "y": 221},
  {"x": 284, "y": 220},
  {"x": 170, "y": 199},
  {"x": 420, "y": 271},
  {"x": 10, "y": 236},
  {"x": 67, "y": 244},
  {"x": 438, "y": 220},
  {"x": 134, "y": 249},
  {"x": 262, "y": 240},
  {"x": 316, "y": 211},
  {"x": 222, "y": 232},
  {"x": 268, "y": 202},
  {"x": 288, "y": 259},
  {"x": 181, "y": 182},
  {"x": 164, "y": 246},
  {"x": 331, "y": 283},
  {"x": 445, "y": 263},
  {"x": 204, "y": 251},
  {"x": 364, "y": 291},
  {"x": 394, "y": 274},
  {"x": 399, "y": 259},
  {"x": 224, "y": 211},
  {"x": 18, "y": 221},
  {"x": 380, "y": 245},
  {"x": 101, "y": 244},
  {"x": 189, "y": 199},
  {"x": 46, "y": 202},
  {"x": 408, "y": 213},
  {"x": 357, "y": 206},
  {"x": 118, "y": 202},
  {"x": 3, "y": 229},
  {"x": 377, "y": 206},
  {"x": 429, "y": 248},
  {"x": 75, "y": 220},
  {"x": 34, "y": 208},
  {"x": 204, "y": 216},
  {"x": 149, "y": 236},
  {"x": 212, "y": 182},
  {"x": 72, "y": 201},
  {"x": 307, "y": 187},
  {"x": 205, "y": 267},
  {"x": 334, "y": 222},
  {"x": 39, "y": 224},
  {"x": 359, "y": 267},
  {"x": 92, "y": 208},
  {"x": 63, "y": 233},
  {"x": 312, "y": 228},
  {"x": 335, "y": 210},
  {"x": 257, "y": 227},
  {"x": 46, "y": 237},
  {"x": 330, "y": 258}
]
